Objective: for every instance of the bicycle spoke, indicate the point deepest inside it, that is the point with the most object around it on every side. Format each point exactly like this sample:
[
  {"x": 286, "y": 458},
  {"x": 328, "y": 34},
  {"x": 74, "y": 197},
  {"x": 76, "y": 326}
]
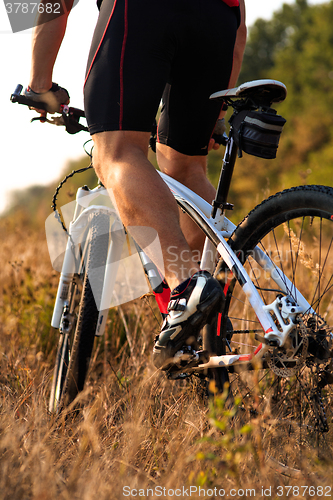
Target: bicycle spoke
[
  {"x": 286, "y": 392},
  {"x": 319, "y": 279}
]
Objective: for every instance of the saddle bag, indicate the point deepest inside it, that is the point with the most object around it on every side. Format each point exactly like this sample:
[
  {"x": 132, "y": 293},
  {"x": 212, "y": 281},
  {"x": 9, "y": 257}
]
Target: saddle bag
[{"x": 257, "y": 133}]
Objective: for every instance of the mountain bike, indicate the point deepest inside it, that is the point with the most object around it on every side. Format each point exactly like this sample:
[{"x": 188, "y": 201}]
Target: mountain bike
[{"x": 271, "y": 343}]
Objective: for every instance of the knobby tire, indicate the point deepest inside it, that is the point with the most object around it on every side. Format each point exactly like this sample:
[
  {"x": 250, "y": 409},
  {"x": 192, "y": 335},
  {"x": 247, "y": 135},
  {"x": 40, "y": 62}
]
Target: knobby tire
[{"x": 75, "y": 349}]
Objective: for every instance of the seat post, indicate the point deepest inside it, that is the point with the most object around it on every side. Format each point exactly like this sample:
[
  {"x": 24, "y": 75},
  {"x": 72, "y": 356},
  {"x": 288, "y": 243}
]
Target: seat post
[{"x": 225, "y": 177}]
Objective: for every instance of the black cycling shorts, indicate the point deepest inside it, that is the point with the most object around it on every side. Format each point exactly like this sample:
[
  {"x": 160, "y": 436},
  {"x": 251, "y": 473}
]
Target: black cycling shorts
[{"x": 145, "y": 49}]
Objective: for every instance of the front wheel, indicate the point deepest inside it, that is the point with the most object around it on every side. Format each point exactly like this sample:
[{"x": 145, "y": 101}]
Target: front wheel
[
  {"x": 292, "y": 391},
  {"x": 76, "y": 344}
]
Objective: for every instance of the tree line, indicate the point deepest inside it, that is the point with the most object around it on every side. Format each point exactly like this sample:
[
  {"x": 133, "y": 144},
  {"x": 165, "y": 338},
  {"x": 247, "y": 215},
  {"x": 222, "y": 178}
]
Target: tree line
[{"x": 296, "y": 48}]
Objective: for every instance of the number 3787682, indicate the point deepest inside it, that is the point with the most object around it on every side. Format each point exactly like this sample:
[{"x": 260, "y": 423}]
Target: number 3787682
[{"x": 33, "y": 7}]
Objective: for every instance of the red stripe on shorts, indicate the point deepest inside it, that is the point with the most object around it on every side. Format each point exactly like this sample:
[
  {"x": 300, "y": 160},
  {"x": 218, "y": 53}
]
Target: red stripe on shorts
[
  {"x": 232, "y": 3},
  {"x": 121, "y": 111},
  {"x": 100, "y": 43}
]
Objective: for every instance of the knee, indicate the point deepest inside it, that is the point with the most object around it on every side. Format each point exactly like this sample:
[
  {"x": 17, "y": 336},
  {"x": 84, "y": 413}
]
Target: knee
[
  {"x": 179, "y": 166},
  {"x": 99, "y": 165},
  {"x": 111, "y": 154},
  {"x": 108, "y": 166},
  {"x": 184, "y": 172}
]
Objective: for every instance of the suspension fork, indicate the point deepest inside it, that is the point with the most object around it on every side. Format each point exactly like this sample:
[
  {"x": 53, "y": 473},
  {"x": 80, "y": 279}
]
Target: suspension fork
[{"x": 66, "y": 280}]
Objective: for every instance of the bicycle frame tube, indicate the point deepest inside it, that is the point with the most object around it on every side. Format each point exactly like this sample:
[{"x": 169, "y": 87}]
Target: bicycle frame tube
[
  {"x": 216, "y": 230},
  {"x": 223, "y": 187}
]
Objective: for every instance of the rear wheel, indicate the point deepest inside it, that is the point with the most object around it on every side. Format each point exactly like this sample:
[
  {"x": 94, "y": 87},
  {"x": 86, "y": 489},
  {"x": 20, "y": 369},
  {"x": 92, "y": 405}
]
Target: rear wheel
[
  {"x": 81, "y": 315},
  {"x": 292, "y": 391}
]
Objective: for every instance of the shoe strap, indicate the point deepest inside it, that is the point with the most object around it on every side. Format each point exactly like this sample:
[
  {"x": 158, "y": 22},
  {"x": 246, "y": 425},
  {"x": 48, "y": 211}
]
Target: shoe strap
[{"x": 177, "y": 305}]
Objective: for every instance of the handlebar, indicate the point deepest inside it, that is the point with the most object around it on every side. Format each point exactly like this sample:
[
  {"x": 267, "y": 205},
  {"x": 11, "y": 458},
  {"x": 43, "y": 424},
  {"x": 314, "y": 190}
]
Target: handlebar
[
  {"x": 69, "y": 116},
  {"x": 22, "y": 99}
]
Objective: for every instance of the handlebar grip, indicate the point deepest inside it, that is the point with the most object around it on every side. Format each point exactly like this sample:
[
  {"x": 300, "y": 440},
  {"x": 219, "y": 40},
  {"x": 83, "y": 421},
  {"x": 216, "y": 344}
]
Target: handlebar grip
[
  {"x": 70, "y": 116},
  {"x": 22, "y": 99},
  {"x": 18, "y": 90}
]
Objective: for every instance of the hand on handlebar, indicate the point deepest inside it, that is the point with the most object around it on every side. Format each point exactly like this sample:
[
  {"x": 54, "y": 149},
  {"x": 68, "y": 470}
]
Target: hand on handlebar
[
  {"x": 213, "y": 145},
  {"x": 217, "y": 136},
  {"x": 51, "y": 100},
  {"x": 69, "y": 116}
]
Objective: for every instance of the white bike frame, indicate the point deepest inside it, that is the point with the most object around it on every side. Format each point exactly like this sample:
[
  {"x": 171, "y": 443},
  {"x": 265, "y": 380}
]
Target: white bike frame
[{"x": 217, "y": 231}]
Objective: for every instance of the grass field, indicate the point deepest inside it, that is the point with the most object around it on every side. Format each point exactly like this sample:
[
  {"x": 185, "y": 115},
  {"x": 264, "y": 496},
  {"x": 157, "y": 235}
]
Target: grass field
[{"x": 137, "y": 433}]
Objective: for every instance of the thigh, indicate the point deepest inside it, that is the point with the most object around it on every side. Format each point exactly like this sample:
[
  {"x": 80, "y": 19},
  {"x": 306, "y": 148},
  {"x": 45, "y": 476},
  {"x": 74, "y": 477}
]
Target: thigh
[
  {"x": 129, "y": 64},
  {"x": 201, "y": 66},
  {"x": 140, "y": 46}
]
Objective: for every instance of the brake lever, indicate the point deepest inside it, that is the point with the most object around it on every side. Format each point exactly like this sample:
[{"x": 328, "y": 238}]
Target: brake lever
[
  {"x": 71, "y": 117},
  {"x": 55, "y": 120}
]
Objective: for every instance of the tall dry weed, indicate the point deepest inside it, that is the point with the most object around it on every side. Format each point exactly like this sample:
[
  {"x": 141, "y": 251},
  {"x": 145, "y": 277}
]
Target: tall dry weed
[{"x": 136, "y": 433}]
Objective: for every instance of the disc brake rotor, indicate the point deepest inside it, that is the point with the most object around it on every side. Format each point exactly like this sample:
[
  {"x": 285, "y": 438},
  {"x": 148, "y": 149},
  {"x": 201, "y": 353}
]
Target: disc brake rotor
[{"x": 287, "y": 360}]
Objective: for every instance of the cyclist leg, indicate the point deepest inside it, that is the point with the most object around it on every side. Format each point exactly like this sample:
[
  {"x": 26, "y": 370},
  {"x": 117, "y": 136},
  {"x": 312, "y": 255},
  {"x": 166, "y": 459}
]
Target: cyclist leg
[
  {"x": 192, "y": 172},
  {"x": 142, "y": 198},
  {"x": 126, "y": 76},
  {"x": 120, "y": 107},
  {"x": 184, "y": 131},
  {"x": 188, "y": 117},
  {"x": 202, "y": 65}
]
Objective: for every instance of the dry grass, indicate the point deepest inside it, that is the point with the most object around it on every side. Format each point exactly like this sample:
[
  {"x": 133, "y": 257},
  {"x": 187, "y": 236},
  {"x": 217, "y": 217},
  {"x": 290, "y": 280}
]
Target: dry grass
[{"x": 135, "y": 428}]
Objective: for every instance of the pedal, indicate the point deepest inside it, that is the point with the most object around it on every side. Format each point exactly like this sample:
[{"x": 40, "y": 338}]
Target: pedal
[
  {"x": 193, "y": 358},
  {"x": 184, "y": 360}
]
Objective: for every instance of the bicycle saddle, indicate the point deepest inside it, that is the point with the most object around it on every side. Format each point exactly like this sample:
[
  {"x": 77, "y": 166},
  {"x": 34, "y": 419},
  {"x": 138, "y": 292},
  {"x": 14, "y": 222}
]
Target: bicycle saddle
[{"x": 262, "y": 90}]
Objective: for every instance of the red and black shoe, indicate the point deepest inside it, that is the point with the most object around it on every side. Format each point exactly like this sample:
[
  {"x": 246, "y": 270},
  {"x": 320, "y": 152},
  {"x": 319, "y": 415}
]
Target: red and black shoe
[{"x": 191, "y": 306}]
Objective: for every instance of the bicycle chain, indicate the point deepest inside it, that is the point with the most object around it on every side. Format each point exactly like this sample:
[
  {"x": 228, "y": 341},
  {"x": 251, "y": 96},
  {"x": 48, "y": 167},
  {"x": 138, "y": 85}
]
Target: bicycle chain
[{"x": 60, "y": 185}]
